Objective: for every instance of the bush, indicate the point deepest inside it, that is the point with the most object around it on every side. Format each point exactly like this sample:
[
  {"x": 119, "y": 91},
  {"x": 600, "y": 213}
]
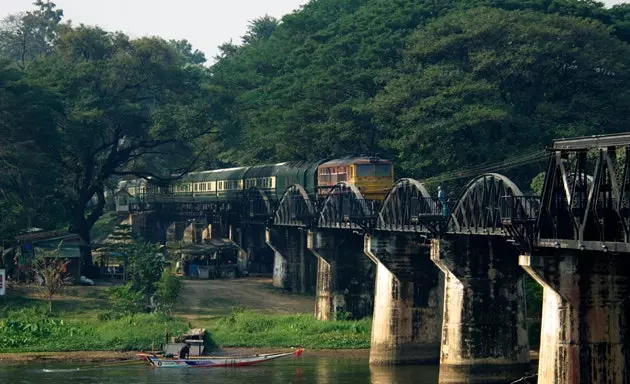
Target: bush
[
  {"x": 145, "y": 267},
  {"x": 27, "y": 327},
  {"x": 124, "y": 300},
  {"x": 250, "y": 329},
  {"x": 35, "y": 330},
  {"x": 167, "y": 291}
]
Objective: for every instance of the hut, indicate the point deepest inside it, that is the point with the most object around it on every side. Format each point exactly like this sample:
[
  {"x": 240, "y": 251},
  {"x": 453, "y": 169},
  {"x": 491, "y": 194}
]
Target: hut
[{"x": 215, "y": 258}]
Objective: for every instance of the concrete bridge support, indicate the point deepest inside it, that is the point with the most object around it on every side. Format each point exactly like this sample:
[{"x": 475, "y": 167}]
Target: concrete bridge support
[
  {"x": 345, "y": 277},
  {"x": 149, "y": 225},
  {"x": 407, "y": 321},
  {"x": 255, "y": 256},
  {"x": 175, "y": 231},
  {"x": 585, "y": 335},
  {"x": 295, "y": 267},
  {"x": 484, "y": 332}
]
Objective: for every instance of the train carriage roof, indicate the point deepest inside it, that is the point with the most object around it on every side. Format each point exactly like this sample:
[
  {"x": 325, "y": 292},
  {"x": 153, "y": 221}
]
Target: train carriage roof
[
  {"x": 235, "y": 173},
  {"x": 355, "y": 160},
  {"x": 266, "y": 170}
]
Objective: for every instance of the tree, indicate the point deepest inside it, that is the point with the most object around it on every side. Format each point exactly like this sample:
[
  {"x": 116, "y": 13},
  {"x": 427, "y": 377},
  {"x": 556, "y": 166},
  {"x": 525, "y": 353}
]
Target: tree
[
  {"x": 260, "y": 28},
  {"x": 25, "y": 36},
  {"x": 145, "y": 267},
  {"x": 483, "y": 84},
  {"x": 167, "y": 291},
  {"x": 185, "y": 49},
  {"x": 27, "y": 133},
  {"x": 50, "y": 270},
  {"x": 130, "y": 107}
]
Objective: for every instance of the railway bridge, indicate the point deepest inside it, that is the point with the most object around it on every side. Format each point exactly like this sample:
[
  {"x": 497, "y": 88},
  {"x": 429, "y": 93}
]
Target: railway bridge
[{"x": 445, "y": 283}]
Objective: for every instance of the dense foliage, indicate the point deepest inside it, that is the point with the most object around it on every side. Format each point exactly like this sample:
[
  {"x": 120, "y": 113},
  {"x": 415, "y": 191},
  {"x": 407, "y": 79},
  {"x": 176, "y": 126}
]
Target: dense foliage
[
  {"x": 250, "y": 329},
  {"x": 34, "y": 330},
  {"x": 434, "y": 86}
]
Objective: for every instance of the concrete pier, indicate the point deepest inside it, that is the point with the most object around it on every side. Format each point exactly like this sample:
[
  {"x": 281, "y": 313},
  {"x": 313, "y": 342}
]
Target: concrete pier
[
  {"x": 484, "y": 332},
  {"x": 294, "y": 267},
  {"x": 255, "y": 255},
  {"x": 345, "y": 277},
  {"x": 407, "y": 321},
  {"x": 586, "y": 313}
]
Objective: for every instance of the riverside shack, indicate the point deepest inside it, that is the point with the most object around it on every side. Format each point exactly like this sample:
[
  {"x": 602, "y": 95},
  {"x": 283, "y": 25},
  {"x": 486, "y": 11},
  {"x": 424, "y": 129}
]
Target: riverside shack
[{"x": 215, "y": 258}]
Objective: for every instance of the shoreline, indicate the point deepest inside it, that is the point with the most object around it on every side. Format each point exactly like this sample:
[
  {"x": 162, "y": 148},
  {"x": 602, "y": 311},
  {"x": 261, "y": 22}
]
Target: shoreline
[
  {"x": 105, "y": 357},
  {"x": 113, "y": 357}
]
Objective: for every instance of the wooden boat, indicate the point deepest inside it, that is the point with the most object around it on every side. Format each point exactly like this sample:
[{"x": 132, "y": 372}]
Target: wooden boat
[{"x": 214, "y": 361}]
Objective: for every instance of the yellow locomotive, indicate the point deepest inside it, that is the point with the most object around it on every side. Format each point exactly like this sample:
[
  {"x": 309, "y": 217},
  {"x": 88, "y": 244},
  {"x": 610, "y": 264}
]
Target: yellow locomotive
[{"x": 372, "y": 176}]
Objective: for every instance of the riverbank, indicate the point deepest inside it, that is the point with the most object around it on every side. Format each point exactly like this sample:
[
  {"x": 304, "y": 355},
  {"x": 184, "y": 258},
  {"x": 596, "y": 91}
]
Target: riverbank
[
  {"x": 236, "y": 313},
  {"x": 105, "y": 357}
]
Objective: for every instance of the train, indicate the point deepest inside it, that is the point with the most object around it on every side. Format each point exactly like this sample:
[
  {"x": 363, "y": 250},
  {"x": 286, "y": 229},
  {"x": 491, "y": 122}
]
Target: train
[{"x": 373, "y": 177}]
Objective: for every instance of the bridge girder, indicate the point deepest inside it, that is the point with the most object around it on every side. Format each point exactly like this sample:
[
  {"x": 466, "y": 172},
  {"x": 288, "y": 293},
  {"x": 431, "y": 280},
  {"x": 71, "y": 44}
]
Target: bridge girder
[
  {"x": 346, "y": 208},
  {"x": 586, "y": 195},
  {"x": 408, "y": 207},
  {"x": 256, "y": 207},
  {"x": 295, "y": 208},
  {"x": 478, "y": 210}
]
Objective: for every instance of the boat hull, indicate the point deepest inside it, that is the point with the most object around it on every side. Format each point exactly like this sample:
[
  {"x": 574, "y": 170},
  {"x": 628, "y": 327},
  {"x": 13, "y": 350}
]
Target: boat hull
[{"x": 216, "y": 362}]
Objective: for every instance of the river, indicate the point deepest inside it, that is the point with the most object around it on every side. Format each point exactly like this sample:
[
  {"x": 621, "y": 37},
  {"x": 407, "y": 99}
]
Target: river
[{"x": 306, "y": 370}]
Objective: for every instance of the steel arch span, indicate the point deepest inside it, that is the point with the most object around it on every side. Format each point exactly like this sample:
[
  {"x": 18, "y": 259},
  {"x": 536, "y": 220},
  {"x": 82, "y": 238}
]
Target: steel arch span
[
  {"x": 256, "y": 207},
  {"x": 408, "y": 207},
  {"x": 345, "y": 207},
  {"x": 478, "y": 209},
  {"x": 295, "y": 208}
]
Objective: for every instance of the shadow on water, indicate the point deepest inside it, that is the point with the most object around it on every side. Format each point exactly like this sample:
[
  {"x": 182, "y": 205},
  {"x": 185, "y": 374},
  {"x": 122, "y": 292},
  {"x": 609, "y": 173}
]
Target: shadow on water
[{"x": 291, "y": 371}]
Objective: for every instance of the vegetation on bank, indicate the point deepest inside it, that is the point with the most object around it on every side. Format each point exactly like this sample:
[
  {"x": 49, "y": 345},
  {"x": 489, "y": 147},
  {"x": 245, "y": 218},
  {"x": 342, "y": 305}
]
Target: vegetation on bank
[
  {"x": 250, "y": 329},
  {"x": 82, "y": 321},
  {"x": 76, "y": 325}
]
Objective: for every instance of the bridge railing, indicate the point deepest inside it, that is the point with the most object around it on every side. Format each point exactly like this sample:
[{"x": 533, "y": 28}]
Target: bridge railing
[
  {"x": 519, "y": 209},
  {"x": 417, "y": 214}
]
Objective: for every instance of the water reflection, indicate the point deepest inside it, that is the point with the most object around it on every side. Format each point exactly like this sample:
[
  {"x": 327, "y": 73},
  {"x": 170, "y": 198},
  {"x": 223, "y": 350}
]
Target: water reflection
[
  {"x": 404, "y": 374},
  {"x": 293, "y": 371}
]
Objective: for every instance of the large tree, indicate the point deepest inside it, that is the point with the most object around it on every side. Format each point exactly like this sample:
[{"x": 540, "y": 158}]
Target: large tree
[
  {"x": 340, "y": 78},
  {"x": 26, "y": 36},
  {"x": 485, "y": 84},
  {"x": 130, "y": 107},
  {"x": 27, "y": 138}
]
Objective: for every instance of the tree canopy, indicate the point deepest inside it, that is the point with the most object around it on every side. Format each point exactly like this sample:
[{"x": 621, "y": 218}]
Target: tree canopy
[
  {"x": 112, "y": 106},
  {"x": 433, "y": 86}
]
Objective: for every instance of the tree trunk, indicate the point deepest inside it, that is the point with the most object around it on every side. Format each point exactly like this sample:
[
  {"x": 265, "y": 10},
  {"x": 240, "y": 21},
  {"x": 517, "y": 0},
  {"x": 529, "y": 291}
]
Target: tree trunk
[
  {"x": 82, "y": 228},
  {"x": 50, "y": 304}
]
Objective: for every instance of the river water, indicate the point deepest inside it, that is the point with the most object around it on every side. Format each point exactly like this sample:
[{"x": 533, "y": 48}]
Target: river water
[{"x": 285, "y": 371}]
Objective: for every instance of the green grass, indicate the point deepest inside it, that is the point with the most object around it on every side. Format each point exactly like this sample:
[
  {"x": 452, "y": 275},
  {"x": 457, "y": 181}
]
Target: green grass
[
  {"x": 34, "y": 330},
  {"x": 74, "y": 325},
  {"x": 251, "y": 329}
]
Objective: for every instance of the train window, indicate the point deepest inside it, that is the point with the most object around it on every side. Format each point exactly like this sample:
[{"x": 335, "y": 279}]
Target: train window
[
  {"x": 383, "y": 170},
  {"x": 324, "y": 174},
  {"x": 365, "y": 170}
]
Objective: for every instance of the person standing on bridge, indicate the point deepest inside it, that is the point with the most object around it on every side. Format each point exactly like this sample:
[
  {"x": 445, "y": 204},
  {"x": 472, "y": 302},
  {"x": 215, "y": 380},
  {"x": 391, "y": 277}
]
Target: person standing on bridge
[{"x": 443, "y": 202}]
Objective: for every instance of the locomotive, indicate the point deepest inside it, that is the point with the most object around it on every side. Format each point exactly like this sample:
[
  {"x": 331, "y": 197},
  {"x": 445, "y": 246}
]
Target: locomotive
[{"x": 372, "y": 176}]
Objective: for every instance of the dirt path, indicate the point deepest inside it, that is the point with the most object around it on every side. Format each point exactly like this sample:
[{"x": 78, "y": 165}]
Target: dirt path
[{"x": 202, "y": 299}]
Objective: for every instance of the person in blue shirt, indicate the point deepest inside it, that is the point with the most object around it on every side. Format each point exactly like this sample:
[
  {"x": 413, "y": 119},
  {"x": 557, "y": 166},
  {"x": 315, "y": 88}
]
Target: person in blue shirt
[{"x": 443, "y": 202}]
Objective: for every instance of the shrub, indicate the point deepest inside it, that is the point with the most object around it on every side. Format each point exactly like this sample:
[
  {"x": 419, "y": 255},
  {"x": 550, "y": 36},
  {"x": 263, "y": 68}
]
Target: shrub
[
  {"x": 167, "y": 291},
  {"x": 124, "y": 300}
]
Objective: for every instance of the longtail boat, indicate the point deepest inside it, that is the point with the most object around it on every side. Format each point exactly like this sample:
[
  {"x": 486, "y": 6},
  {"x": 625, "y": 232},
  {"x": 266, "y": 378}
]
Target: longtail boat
[{"x": 214, "y": 361}]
